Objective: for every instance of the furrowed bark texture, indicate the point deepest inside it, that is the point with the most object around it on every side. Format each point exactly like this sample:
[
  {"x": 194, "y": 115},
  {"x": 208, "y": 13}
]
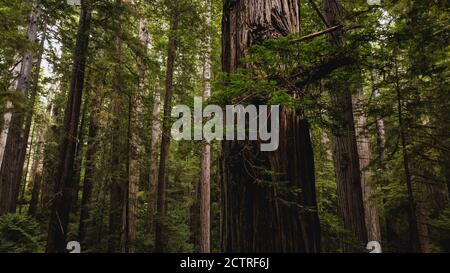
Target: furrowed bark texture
[
  {"x": 64, "y": 188},
  {"x": 258, "y": 214},
  {"x": 346, "y": 160}
]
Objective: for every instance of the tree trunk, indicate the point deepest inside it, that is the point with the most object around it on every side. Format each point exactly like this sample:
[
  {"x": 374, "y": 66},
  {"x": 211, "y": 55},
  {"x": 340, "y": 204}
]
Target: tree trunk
[
  {"x": 4, "y": 134},
  {"x": 370, "y": 207},
  {"x": 120, "y": 147},
  {"x": 165, "y": 141},
  {"x": 381, "y": 138},
  {"x": 412, "y": 210},
  {"x": 256, "y": 210},
  {"x": 135, "y": 141},
  {"x": 117, "y": 189},
  {"x": 44, "y": 194},
  {"x": 194, "y": 216},
  {"x": 346, "y": 160},
  {"x": 205, "y": 181},
  {"x": 26, "y": 168},
  {"x": 11, "y": 172},
  {"x": 92, "y": 145},
  {"x": 156, "y": 127},
  {"x": 445, "y": 166},
  {"x": 62, "y": 200},
  {"x": 8, "y": 114},
  {"x": 29, "y": 114},
  {"x": 81, "y": 139},
  {"x": 36, "y": 175},
  {"x": 29, "y": 117}
]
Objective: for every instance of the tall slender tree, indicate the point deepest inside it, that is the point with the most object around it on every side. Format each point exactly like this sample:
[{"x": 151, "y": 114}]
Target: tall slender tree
[
  {"x": 165, "y": 141},
  {"x": 364, "y": 151},
  {"x": 135, "y": 141},
  {"x": 346, "y": 159},
  {"x": 205, "y": 182},
  {"x": 63, "y": 192},
  {"x": 156, "y": 135}
]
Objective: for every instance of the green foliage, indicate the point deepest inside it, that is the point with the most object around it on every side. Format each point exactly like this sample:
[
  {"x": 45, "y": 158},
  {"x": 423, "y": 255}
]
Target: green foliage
[
  {"x": 20, "y": 234},
  {"x": 441, "y": 230}
]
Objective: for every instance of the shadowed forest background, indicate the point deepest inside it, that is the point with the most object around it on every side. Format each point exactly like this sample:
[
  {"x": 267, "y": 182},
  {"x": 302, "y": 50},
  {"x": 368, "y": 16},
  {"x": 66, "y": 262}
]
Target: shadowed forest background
[{"x": 86, "y": 155}]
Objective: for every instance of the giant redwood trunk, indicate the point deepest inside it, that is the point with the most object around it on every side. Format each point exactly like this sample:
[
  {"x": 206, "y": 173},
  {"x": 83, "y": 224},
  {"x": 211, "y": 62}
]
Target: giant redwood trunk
[
  {"x": 64, "y": 188},
  {"x": 262, "y": 211},
  {"x": 10, "y": 171}
]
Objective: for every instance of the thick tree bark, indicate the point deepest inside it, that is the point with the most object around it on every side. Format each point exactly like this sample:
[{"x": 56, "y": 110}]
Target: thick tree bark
[
  {"x": 258, "y": 213},
  {"x": 370, "y": 207},
  {"x": 63, "y": 193},
  {"x": 346, "y": 160},
  {"x": 205, "y": 181},
  {"x": 10, "y": 172},
  {"x": 165, "y": 141}
]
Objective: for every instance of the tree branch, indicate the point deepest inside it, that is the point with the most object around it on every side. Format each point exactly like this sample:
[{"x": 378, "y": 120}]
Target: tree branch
[
  {"x": 322, "y": 70},
  {"x": 316, "y": 34}
]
